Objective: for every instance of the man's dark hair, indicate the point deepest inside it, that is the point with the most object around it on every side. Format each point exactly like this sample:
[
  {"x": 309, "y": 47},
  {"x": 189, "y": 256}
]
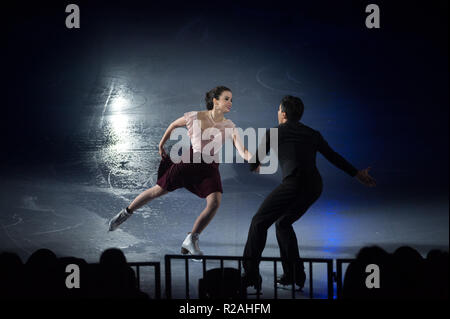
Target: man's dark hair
[{"x": 293, "y": 106}]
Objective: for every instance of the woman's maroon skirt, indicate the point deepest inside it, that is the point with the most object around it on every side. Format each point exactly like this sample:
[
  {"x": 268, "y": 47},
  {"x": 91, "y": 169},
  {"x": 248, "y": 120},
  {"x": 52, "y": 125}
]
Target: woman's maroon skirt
[{"x": 201, "y": 179}]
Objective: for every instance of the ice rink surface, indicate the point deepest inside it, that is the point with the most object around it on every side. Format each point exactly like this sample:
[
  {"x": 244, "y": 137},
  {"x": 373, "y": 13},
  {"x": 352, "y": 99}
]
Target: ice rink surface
[{"x": 90, "y": 115}]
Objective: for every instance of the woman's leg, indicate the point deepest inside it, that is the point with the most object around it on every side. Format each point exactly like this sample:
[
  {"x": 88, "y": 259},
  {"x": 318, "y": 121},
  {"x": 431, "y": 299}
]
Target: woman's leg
[
  {"x": 138, "y": 202},
  {"x": 145, "y": 197},
  {"x": 212, "y": 204}
]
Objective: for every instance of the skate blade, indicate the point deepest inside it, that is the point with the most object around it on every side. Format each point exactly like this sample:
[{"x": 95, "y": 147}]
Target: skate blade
[
  {"x": 289, "y": 287},
  {"x": 254, "y": 292},
  {"x": 184, "y": 251}
]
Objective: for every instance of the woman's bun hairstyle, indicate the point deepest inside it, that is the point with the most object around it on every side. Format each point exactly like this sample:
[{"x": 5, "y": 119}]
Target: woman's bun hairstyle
[{"x": 214, "y": 93}]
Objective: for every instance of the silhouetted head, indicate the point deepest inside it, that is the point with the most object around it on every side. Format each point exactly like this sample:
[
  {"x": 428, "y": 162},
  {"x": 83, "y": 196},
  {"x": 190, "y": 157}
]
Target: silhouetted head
[
  {"x": 113, "y": 257},
  {"x": 355, "y": 284},
  {"x": 219, "y": 98},
  {"x": 373, "y": 254},
  {"x": 71, "y": 260},
  {"x": 436, "y": 268},
  {"x": 42, "y": 258},
  {"x": 291, "y": 109},
  {"x": 406, "y": 254},
  {"x": 409, "y": 268},
  {"x": 436, "y": 254},
  {"x": 9, "y": 261},
  {"x": 11, "y": 276},
  {"x": 221, "y": 284}
]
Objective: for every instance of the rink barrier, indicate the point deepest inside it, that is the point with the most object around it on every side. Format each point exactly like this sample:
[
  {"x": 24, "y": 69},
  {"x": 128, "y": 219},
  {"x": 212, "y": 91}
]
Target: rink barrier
[
  {"x": 239, "y": 259},
  {"x": 157, "y": 270},
  {"x": 338, "y": 278}
]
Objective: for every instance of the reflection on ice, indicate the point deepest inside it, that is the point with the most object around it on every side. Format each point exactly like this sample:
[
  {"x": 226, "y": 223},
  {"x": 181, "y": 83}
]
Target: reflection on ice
[
  {"x": 121, "y": 132},
  {"x": 118, "y": 102}
]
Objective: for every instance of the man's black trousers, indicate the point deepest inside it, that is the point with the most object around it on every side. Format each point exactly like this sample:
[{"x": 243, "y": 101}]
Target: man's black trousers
[{"x": 284, "y": 205}]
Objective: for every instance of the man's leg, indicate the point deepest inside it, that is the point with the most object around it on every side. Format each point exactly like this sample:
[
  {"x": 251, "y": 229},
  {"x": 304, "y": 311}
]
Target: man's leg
[
  {"x": 287, "y": 240},
  {"x": 270, "y": 210}
]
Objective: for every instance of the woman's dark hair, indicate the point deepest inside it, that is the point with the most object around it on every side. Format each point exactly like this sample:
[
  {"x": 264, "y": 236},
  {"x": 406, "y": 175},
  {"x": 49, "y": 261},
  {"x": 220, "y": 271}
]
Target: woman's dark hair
[
  {"x": 214, "y": 93},
  {"x": 293, "y": 106}
]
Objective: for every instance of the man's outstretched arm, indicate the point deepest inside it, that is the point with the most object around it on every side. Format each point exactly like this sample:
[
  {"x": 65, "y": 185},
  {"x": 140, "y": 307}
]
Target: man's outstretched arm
[
  {"x": 340, "y": 162},
  {"x": 364, "y": 177}
]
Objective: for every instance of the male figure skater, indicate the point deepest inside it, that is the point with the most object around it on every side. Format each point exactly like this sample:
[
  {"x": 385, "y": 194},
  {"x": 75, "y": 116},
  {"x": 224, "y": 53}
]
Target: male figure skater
[{"x": 300, "y": 188}]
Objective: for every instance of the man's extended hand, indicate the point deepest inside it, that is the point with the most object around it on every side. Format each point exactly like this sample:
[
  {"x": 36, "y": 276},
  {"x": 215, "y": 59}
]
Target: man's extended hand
[{"x": 364, "y": 178}]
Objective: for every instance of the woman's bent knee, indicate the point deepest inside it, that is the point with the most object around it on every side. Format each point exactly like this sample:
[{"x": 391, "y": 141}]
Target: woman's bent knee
[
  {"x": 158, "y": 191},
  {"x": 213, "y": 201}
]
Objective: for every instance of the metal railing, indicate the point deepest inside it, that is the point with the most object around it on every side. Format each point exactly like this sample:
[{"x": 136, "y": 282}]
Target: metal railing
[
  {"x": 338, "y": 278},
  {"x": 239, "y": 259},
  {"x": 157, "y": 270}
]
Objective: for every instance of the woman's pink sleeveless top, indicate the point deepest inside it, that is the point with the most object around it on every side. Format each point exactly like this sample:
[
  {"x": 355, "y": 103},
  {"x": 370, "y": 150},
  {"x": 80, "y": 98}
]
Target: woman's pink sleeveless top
[{"x": 213, "y": 137}]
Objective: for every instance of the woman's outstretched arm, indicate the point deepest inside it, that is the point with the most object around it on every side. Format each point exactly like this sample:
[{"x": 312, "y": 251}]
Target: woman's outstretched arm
[
  {"x": 177, "y": 123},
  {"x": 237, "y": 142}
]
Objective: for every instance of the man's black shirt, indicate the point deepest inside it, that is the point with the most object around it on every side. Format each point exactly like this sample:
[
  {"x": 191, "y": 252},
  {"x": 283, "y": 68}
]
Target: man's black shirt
[{"x": 297, "y": 148}]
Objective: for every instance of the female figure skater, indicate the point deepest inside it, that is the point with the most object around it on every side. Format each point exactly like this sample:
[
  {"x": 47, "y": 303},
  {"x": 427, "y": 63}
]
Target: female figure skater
[{"x": 200, "y": 178}]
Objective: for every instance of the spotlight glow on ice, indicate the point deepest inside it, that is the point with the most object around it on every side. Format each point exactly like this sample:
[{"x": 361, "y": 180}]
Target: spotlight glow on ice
[{"x": 119, "y": 102}]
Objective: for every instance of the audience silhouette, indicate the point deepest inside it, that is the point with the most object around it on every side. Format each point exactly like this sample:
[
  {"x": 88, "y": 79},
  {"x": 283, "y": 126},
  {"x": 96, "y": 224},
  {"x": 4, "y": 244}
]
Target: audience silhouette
[
  {"x": 221, "y": 284},
  {"x": 44, "y": 276},
  {"x": 403, "y": 274}
]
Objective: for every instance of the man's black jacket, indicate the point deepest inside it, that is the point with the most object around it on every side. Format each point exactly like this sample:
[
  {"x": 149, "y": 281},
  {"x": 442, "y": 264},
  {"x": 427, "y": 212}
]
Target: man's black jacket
[{"x": 297, "y": 148}]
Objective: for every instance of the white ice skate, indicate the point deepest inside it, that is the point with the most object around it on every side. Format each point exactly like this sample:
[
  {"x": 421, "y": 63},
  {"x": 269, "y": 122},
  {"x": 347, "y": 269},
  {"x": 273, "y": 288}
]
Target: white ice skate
[
  {"x": 122, "y": 216},
  {"x": 190, "y": 245}
]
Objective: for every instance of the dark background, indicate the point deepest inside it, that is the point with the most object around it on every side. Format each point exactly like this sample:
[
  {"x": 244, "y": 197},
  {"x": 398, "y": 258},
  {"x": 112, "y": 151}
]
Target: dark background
[
  {"x": 71, "y": 158},
  {"x": 380, "y": 97}
]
